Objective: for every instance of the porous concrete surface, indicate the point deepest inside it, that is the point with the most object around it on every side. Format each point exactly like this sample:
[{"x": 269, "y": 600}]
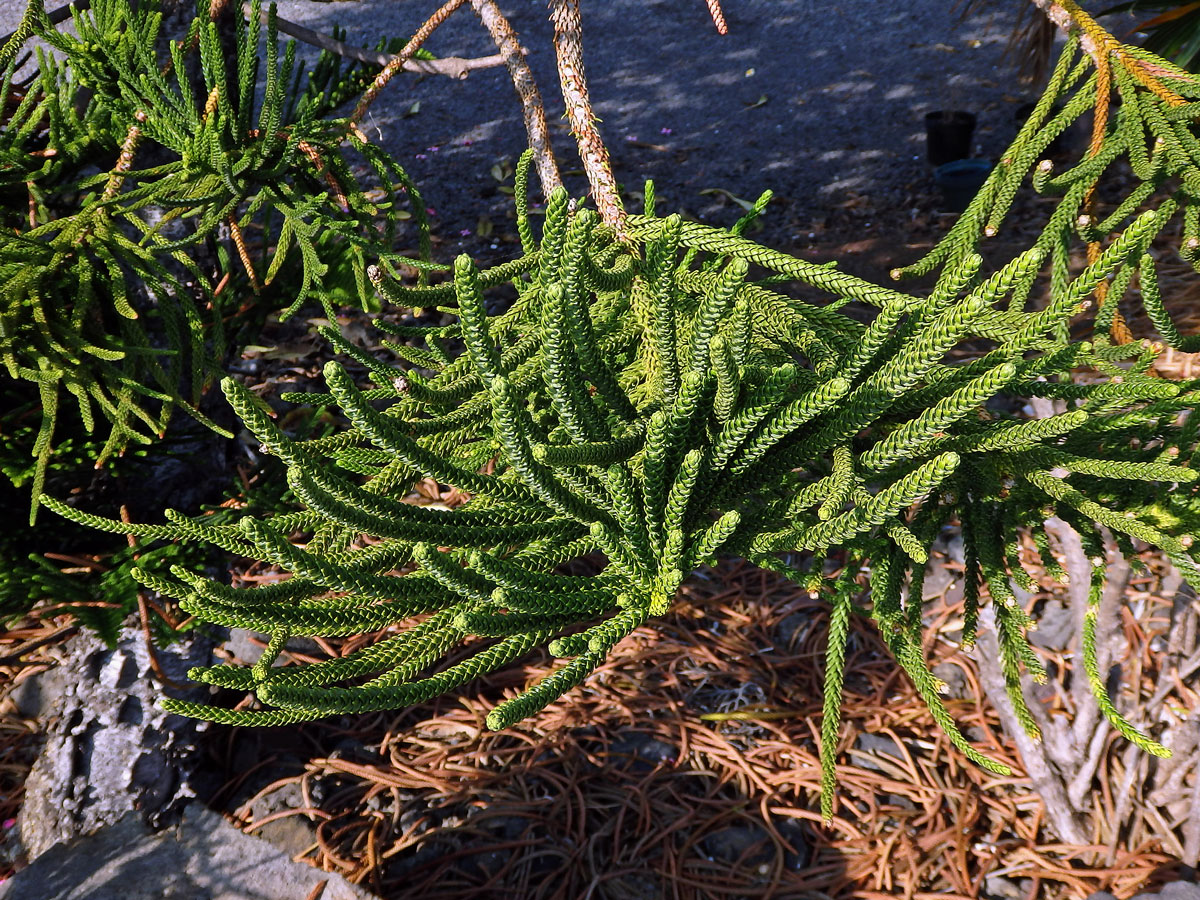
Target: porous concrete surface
[{"x": 202, "y": 858}]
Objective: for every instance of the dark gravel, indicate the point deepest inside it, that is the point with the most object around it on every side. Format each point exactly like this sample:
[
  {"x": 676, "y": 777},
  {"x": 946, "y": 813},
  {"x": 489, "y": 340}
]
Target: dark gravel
[
  {"x": 814, "y": 100},
  {"x": 810, "y": 99}
]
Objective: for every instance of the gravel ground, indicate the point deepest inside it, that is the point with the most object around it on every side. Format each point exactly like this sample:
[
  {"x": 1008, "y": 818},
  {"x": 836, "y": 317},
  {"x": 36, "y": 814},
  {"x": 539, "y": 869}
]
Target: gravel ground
[
  {"x": 810, "y": 99},
  {"x": 806, "y": 98}
]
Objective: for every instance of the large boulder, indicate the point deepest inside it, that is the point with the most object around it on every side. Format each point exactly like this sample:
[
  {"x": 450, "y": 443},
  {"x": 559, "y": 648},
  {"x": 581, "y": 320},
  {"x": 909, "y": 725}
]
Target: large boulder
[
  {"x": 108, "y": 748},
  {"x": 201, "y": 858}
]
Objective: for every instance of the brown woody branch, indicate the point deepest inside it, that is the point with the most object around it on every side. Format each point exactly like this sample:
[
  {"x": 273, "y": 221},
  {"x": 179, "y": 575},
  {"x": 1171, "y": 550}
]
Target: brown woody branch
[
  {"x": 718, "y": 17},
  {"x": 396, "y": 63},
  {"x": 531, "y": 99},
  {"x": 1057, "y": 14},
  {"x": 568, "y": 48}
]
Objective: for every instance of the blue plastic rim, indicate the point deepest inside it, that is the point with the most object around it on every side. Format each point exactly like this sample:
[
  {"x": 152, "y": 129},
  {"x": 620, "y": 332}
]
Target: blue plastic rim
[{"x": 960, "y": 181}]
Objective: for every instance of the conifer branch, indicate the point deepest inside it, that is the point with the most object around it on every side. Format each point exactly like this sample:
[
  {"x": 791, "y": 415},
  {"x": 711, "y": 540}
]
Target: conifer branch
[
  {"x": 646, "y": 401},
  {"x": 534, "y": 112},
  {"x": 568, "y": 49}
]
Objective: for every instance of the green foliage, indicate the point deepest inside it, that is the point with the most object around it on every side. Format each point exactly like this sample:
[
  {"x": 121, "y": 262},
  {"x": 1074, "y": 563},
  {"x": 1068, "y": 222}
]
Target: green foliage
[
  {"x": 100, "y": 596},
  {"x": 652, "y": 397},
  {"x": 1172, "y": 29},
  {"x": 75, "y": 569},
  {"x": 103, "y": 302}
]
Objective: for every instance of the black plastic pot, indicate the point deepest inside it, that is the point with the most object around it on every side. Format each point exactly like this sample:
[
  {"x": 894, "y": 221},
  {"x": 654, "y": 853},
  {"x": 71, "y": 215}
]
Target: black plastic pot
[
  {"x": 960, "y": 180},
  {"x": 948, "y": 134},
  {"x": 1061, "y": 145}
]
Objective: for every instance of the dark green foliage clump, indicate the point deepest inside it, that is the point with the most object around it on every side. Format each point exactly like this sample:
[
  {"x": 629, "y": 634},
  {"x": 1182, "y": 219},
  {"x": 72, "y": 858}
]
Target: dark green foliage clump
[
  {"x": 67, "y": 568},
  {"x": 205, "y": 152},
  {"x": 652, "y": 400}
]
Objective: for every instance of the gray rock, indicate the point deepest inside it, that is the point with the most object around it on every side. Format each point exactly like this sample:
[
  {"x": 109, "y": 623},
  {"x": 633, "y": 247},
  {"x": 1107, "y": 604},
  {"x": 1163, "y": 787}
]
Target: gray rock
[
  {"x": 899, "y": 801},
  {"x": 955, "y": 679},
  {"x": 291, "y": 834},
  {"x": 1101, "y": 895},
  {"x": 975, "y": 734},
  {"x": 1023, "y": 596},
  {"x": 108, "y": 746},
  {"x": 799, "y": 843},
  {"x": 1001, "y": 888},
  {"x": 1180, "y": 890},
  {"x": 247, "y": 646},
  {"x": 1055, "y": 626},
  {"x": 507, "y": 828},
  {"x": 748, "y": 844},
  {"x": 877, "y": 744},
  {"x": 203, "y": 858},
  {"x": 646, "y": 752},
  {"x": 955, "y": 549},
  {"x": 792, "y": 629},
  {"x": 938, "y": 580}
]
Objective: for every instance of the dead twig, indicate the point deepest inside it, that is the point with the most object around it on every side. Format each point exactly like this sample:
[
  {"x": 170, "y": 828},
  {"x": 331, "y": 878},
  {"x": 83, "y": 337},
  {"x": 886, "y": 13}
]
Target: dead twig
[
  {"x": 428, "y": 27},
  {"x": 239, "y": 242},
  {"x": 14, "y": 655},
  {"x": 450, "y": 66}
]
